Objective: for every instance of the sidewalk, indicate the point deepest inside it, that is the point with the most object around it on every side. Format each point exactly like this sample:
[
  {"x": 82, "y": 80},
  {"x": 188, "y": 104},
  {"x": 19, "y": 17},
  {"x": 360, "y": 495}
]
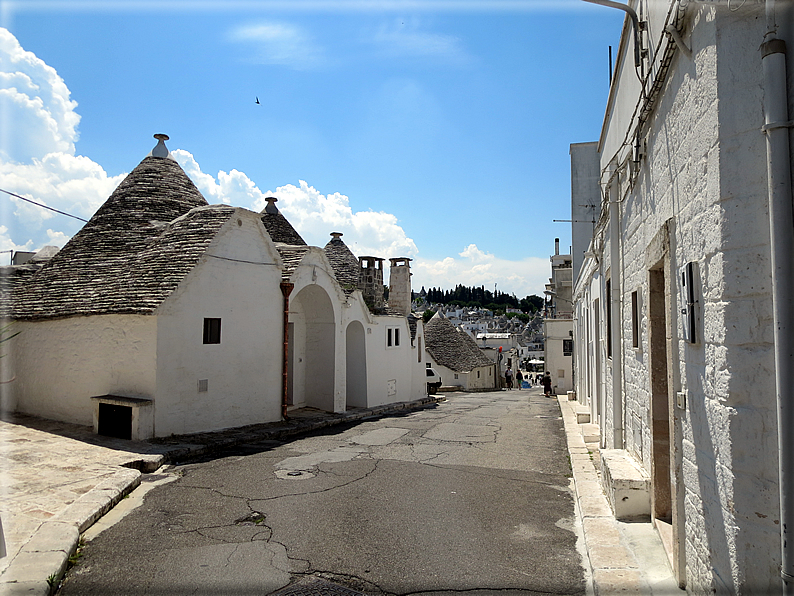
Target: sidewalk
[
  {"x": 59, "y": 478},
  {"x": 624, "y": 558}
]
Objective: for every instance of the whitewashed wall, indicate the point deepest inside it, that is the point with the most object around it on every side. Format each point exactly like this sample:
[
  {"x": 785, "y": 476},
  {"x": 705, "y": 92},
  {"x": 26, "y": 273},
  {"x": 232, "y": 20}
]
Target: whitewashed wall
[
  {"x": 237, "y": 281},
  {"x": 396, "y": 372},
  {"x": 60, "y": 364},
  {"x": 560, "y": 366},
  {"x": 705, "y": 171}
]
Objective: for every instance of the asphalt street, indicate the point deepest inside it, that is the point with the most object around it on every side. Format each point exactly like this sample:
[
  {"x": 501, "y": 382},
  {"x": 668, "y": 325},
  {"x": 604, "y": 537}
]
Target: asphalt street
[{"x": 473, "y": 496}]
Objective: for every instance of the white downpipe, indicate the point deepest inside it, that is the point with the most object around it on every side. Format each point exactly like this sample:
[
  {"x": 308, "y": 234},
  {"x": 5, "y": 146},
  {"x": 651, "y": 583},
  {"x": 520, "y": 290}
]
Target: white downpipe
[
  {"x": 614, "y": 304},
  {"x": 781, "y": 230}
]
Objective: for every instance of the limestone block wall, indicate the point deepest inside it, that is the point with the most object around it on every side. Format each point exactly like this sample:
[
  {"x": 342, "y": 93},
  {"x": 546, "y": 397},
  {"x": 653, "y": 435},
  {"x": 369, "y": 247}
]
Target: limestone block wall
[{"x": 705, "y": 173}]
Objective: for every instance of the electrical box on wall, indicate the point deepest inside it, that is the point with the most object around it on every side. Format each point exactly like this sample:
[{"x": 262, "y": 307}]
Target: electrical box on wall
[{"x": 689, "y": 304}]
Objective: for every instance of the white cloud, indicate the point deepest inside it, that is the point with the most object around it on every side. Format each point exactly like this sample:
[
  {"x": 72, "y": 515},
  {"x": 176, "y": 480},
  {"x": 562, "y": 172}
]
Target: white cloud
[
  {"x": 404, "y": 38},
  {"x": 37, "y": 153},
  {"x": 38, "y": 113},
  {"x": 478, "y": 268},
  {"x": 313, "y": 214},
  {"x": 278, "y": 43}
]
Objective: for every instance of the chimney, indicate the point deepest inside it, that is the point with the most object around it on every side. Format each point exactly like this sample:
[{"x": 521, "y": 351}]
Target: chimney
[
  {"x": 400, "y": 285},
  {"x": 556, "y": 246},
  {"x": 370, "y": 281}
]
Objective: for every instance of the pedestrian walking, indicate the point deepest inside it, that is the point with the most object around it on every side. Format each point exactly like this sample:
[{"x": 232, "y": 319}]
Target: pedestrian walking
[
  {"x": 519, "y": 378},
  {"x": 509, "y": 378},
  {"x": 546, "y": 384}
]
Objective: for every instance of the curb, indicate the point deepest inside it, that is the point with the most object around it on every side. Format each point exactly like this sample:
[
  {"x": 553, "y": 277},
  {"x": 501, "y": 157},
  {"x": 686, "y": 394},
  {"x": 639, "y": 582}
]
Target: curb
[
  {"x": 613, "y": 567},
  {"x": 185, "y": 451},
  {"x": 46, "y": 555}
]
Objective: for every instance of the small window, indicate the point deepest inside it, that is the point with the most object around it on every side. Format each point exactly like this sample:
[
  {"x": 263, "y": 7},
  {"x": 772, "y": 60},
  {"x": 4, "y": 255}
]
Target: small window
[
  {"x": 478, "y": 374},
  {"x": 212, "y": 331},
  {"x": 392, "y": 337},
  {"x": 456, "y": 375},
  {"x": 567, "y": 347}
]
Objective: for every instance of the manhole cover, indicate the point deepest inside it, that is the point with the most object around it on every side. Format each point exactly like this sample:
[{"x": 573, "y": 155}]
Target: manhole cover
[{"x": 316, "y": 587}]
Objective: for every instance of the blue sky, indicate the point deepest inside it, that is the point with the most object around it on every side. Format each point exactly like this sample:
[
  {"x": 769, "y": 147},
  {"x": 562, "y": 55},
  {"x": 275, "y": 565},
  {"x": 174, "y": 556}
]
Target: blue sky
[{"x": 437, "y": 130}]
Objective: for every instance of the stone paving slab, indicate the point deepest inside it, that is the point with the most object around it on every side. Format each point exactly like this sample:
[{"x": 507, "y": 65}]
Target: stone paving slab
[{"x": 57, "y": 479}]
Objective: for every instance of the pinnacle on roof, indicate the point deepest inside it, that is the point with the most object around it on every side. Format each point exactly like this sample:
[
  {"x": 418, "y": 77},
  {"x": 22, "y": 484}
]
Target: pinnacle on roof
[
  {"x": 278, "y": 227},
  {"x": 343, "y": 261},
  {"x": 160, "y": 150}
]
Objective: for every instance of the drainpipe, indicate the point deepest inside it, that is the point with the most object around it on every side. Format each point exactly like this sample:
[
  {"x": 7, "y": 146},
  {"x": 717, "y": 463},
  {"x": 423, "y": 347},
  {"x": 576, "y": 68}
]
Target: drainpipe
[
  {"x": 781, "y": 230},
  {"x": 614, "y": 304},
  {"x": 286, "y": 290},
  {"x": 635, "y": 24}
]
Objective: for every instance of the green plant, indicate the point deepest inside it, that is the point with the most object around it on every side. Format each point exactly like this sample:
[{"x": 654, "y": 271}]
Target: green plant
[{"x": 52, "y": 580}]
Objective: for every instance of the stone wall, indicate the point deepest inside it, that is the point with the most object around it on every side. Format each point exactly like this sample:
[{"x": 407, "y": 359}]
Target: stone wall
[{"x": 702, "y": 182}]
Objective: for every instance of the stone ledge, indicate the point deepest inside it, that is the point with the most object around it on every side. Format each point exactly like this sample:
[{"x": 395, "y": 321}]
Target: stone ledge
[{"x": 626, "y": 484}]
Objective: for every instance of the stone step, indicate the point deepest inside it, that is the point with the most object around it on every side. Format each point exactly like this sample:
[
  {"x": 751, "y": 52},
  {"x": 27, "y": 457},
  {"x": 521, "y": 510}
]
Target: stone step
[
  {"x": 626, "y": 484},
  {"x": 583, "y": 415},
  {"x": 591, "y": 433}
]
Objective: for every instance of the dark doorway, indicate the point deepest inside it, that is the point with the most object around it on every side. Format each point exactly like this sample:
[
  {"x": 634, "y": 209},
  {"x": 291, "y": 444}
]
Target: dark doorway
[
  {"x": 115, "y": 421},
  {"x": 661, "y": 499}
]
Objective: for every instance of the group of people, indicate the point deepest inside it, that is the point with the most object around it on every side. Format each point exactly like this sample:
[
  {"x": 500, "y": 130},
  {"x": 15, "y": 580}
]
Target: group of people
[{"x": 538, "y": 378}]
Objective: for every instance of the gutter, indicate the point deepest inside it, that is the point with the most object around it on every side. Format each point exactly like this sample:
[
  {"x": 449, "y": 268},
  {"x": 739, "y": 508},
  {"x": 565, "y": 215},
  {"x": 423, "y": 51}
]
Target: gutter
[
  {"x": 614, "y": 304},
  {"x": 781, "y": 231},
  {"x": 286, "y": 290}
]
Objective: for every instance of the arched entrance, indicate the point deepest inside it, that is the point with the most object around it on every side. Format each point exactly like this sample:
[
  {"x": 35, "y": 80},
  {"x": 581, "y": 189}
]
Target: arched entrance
[
  {"x": 356, "y": 367},
  {"x": 313, "y": 352}
]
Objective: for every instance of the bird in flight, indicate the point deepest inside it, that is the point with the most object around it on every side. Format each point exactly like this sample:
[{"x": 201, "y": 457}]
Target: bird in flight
[{"x": 257, "y": 100}]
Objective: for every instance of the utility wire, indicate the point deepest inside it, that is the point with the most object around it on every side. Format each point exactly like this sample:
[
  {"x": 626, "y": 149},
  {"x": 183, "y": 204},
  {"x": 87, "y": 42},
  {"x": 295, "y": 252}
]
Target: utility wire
[{"x": 41, "y": 205}]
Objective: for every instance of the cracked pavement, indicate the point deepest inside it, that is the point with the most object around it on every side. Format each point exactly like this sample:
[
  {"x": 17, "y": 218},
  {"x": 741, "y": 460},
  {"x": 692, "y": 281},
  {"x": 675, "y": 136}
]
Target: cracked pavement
[{"x": 472, "y": 496}]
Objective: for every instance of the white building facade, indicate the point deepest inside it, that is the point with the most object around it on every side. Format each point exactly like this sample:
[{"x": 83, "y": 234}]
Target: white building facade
[{"x": 675, "y": 344}]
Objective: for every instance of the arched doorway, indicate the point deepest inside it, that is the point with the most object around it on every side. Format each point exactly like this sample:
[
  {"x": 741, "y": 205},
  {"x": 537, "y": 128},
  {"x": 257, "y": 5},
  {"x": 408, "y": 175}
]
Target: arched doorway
[
  {"x": 356, "y": 365},
  {"x": 313, "y": 353}
]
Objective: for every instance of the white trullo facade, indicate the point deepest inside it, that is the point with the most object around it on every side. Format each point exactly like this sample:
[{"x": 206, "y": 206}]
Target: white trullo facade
[
  {"x": 675, "y": 301},
  {"x": 165, "y": 315}
]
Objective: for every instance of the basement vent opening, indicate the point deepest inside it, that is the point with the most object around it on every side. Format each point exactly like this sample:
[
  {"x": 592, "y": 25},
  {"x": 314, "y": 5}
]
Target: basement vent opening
[
  {"x": 203, "y": 385},
  {"x": 115, "y": 421}
]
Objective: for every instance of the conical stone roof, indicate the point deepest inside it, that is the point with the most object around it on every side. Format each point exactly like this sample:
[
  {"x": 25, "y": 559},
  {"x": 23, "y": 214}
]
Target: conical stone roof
[
  {"x": 344, "y": 263},
  {"x": 132, "y": 253},
  {"x": 452, "y": 348},
  {"x": 278, "y": 227}
]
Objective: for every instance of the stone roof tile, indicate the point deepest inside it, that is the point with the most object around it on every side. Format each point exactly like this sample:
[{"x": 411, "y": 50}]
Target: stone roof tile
[
  {"x": 452, "y": 348},
  {"x": 132, "y": 253},
  {"x": 344, "y": 263}
]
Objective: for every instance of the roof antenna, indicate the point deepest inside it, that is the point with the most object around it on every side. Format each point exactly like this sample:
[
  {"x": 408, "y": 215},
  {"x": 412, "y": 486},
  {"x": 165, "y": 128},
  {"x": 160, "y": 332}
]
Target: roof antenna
[{"x": 160, "y": 149}]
